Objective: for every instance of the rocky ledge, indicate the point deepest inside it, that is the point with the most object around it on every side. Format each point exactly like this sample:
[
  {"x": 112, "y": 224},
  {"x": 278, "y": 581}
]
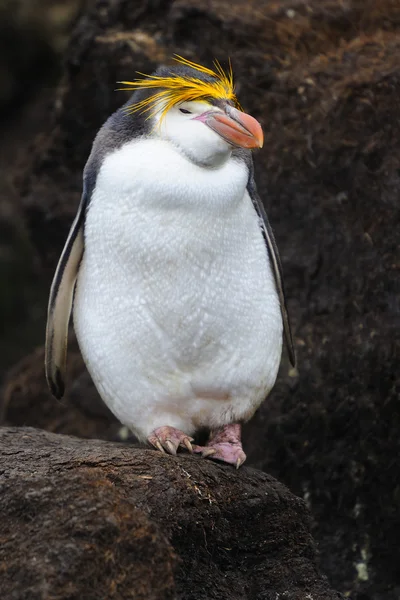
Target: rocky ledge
[{"x": 94, "y": 519}]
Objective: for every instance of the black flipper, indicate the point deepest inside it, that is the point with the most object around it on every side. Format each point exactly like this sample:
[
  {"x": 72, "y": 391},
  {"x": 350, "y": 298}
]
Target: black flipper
[
  {"x": 60, "y": 304},
  {"x": 276, "y": 265}
]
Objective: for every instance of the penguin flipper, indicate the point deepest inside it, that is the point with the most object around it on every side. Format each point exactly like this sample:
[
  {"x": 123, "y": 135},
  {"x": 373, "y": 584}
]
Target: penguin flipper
[
  {"x": 276, "y": 267},
  {"x": 60, "y": 305}
]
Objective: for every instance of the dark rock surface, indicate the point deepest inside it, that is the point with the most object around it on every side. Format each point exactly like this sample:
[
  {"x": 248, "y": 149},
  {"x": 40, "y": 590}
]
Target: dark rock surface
[
  {"x": 33, "y": 37},
  {"x": 32, "y": 34},
  {"x": 81, "y": 412},
  {"x": 323, "y": 77},
  {"x": 96, "y": 520}
]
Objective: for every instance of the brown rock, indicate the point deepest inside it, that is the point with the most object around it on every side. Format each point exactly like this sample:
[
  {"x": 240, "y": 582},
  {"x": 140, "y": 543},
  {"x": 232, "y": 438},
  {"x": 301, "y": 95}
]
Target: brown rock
[
  {"x": 26, "y": 400},
  {"x": 96, "y": 520},
  {"x": 31, "y": 36}
]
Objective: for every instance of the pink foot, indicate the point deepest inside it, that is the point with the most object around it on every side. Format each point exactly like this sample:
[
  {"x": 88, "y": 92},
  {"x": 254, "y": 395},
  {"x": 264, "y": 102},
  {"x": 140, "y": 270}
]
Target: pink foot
[
  {"x": 168, "y": 439},
  {"x": 224, "y": 444}
]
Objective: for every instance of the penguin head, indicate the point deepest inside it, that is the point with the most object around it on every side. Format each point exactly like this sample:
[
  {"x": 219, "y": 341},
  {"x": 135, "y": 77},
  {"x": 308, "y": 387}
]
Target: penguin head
[
  {"x": 196, "y": 110},
  {"x": 207, "y": 132}
]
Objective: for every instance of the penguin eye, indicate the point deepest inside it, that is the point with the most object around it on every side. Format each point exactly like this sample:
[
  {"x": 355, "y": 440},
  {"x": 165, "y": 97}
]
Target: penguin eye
[{"x": 185, "y": 112}]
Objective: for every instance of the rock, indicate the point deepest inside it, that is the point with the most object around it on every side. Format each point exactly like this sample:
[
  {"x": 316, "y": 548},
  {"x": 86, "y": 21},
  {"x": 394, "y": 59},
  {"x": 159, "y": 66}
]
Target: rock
[
  {"x": 31, "y": 36},
  {"x": 323, "y": 78},
  {"x": 25, "y": 400},
  {"x": 97, "y": 520}
]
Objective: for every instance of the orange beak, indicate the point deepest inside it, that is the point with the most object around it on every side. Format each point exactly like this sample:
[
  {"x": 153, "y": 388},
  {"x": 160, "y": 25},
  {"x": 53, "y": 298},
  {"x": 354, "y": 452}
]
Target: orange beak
[{"x": 236, "y": 127}]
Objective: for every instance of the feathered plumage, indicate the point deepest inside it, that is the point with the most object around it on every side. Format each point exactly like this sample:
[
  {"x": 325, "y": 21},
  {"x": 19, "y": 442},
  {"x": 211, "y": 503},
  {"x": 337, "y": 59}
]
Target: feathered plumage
[
  {"x": 175, "y": 89},
  {"x": 179, "y": 304}
]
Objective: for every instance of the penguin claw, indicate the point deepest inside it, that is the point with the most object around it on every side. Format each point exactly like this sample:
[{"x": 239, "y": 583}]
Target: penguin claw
[
  {"x": 158, "y": 446},
  {"x": 208, "y": 452},
  {"x": 188, "y": 445},
  {"x": 239, "y": 462},
  {"x": 170, "y": 447},
  {"x": 168, "y": 439}
]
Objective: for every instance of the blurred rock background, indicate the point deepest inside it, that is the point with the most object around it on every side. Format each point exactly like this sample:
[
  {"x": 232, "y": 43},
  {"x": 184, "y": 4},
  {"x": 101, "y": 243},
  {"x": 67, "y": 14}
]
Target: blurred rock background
[
  {"x": 33, "y": 38},
  {"x": 323, "y": 77}
]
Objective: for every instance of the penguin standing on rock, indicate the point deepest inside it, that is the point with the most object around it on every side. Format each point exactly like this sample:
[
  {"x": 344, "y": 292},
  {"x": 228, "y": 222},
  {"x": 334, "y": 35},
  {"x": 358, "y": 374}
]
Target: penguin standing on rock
[{"x": 172, "y": 269}]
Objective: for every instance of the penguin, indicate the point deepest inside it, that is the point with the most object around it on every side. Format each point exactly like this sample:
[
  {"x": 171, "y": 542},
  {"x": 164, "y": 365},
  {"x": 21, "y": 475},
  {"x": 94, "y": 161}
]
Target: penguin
[{"x": 171, "y": 270}]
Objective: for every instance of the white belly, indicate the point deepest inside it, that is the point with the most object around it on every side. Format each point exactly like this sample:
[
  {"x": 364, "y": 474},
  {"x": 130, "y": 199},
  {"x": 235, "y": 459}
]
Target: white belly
[{"x": 176, "y": 310}]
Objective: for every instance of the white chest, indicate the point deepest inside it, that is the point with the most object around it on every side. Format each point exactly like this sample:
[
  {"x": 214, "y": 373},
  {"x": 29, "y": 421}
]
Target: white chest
[{"x": 175, "y": 292}]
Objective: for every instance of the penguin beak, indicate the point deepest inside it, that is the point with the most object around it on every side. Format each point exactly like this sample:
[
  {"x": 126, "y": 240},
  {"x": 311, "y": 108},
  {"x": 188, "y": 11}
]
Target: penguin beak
[{"x": 235, "y": 126}]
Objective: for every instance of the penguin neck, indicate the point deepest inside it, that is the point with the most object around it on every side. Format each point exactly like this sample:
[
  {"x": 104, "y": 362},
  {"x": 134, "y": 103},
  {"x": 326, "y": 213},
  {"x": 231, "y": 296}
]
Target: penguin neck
[
  {"x": 155, "y": 173},
  {"x": 207, "y": 159},
  {"x": 212, "y": 155}
]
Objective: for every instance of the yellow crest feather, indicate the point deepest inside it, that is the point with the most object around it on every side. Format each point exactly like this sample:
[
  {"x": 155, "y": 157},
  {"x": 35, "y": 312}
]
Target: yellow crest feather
[{"x": 182, "y": 88}]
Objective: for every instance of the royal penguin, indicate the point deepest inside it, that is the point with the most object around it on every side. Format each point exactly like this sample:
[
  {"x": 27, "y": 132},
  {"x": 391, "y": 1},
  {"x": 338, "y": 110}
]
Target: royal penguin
[{"x": 171, "y": 270}]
